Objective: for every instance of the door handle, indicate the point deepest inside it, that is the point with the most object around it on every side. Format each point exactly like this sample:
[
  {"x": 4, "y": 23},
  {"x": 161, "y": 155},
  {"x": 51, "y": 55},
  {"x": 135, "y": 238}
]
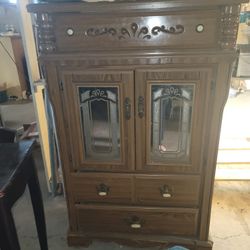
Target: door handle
[
  {"x": 127, "y": 108},
  {"x": 141, "y": 106}
]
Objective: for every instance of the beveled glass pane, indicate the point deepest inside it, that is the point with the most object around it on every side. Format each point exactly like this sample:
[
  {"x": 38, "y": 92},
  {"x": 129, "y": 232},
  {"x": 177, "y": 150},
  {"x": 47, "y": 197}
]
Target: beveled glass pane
[
  {"x": 99, "y": 108},
  {"x": 171, "y": 113}
]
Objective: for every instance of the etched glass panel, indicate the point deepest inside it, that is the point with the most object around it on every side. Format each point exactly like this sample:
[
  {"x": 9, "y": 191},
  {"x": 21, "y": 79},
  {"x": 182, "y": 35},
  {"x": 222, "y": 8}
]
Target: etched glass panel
[
  {"x": 100, "y": 122},
  {"x": 171, "y": 113}
]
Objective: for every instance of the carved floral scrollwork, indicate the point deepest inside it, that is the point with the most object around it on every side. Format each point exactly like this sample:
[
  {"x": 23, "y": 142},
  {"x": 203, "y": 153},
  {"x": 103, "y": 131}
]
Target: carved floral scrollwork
[
  {"x": 178, "y": 29},
  {"x": 99, "y": 32},
  {"x": 98, "y": 93},
  {"x": 171, "y": 92},
  {"x": 134, "y": 31}
]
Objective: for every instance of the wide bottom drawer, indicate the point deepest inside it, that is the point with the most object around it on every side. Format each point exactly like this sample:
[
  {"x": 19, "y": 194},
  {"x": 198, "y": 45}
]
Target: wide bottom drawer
[{"x": 145, "y": 220}]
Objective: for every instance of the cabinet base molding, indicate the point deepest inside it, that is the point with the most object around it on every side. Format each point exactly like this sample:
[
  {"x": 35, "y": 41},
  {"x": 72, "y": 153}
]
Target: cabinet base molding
[{"x": 86, "y": 239}]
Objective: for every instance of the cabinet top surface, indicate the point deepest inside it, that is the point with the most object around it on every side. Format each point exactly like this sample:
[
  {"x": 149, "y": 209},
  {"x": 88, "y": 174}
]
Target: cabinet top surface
[{"x": 83, "y": 6}]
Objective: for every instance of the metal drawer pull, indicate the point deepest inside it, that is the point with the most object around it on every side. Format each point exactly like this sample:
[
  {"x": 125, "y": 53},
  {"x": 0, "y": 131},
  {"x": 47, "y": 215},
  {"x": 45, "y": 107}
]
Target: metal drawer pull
[
  {"x": 141, "y": 106},
  {"x": 165, "y": 192},
  {"x": 102, "y": 190},
  {"x": 127, "y": 108},
  {"x": 135, "y": 222}
]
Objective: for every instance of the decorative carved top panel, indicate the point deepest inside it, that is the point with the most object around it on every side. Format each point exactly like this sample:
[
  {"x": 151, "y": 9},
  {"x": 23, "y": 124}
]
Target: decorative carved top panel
[
  {"x": 134, "y": 31},
  {"x": 189, "y": 29},
  {"x": 192, "y": 29}
]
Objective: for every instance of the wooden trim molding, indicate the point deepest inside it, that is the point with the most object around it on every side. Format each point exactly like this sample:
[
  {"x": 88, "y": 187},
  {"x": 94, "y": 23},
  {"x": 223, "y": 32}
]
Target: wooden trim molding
[
  {"x": 45, "y": 31},
  {"x": 229, "y": 26}
]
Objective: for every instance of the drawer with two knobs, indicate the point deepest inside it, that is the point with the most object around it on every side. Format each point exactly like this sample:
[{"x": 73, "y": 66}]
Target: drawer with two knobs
[{"x": 138, "y": 189}]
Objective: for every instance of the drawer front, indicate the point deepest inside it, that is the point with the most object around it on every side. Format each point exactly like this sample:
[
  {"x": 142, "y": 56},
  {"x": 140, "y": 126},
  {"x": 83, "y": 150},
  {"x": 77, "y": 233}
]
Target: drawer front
[
  {"x": 169, "y": 190},
  {"x": 101, "y": 188},
  {"x": 189, "y": 29},
  {"x": 167, "y": 221}
]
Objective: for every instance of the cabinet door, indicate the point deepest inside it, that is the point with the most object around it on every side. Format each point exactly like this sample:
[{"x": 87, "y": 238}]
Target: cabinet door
[
  {"x": 170, "y": 112},
  {"x": 100, "y": 115}
]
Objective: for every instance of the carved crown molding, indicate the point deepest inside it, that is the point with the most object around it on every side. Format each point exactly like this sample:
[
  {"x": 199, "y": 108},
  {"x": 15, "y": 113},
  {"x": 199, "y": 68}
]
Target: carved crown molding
[
  {"x": 229, "y": 26},
  {"x": 45, "y": 32},
  {"x": 134, "y": 31}
]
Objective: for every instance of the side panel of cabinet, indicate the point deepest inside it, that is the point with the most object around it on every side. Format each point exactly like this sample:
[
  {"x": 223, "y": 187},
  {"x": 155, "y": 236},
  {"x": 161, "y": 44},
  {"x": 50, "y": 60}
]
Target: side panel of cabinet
[
  {"x": 100, "y": 116},
  {"x": 171, "y": 107}
]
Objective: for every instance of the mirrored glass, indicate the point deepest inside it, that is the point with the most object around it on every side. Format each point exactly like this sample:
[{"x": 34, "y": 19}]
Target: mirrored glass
[
  {"x": 171, "y": 113},
  {"x": 99, "y": 107}
]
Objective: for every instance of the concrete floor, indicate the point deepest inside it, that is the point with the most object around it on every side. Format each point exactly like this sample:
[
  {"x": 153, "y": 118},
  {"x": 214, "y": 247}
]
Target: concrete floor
[{"x": 230, "y": 222}]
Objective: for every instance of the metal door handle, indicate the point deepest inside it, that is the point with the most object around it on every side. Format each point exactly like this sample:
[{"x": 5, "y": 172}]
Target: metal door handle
[
  {"x": 127, "y": 108},
  {"x": 141, "y": 106}
]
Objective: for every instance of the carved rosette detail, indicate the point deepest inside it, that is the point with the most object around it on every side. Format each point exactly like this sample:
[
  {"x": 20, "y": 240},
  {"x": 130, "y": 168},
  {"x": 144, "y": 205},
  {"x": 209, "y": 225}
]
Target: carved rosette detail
[
  {"x": 229, "y": 26},
  {"x": 134, "y": 31},
  {"x": 45, "y": 32},
  {"x": 98, "y": 93},
  {"x": 172, "y": 92}
]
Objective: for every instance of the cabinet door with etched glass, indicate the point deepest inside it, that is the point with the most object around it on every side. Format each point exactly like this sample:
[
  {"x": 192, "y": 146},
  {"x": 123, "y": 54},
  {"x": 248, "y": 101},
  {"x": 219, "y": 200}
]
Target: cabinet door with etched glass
[
  {"x": 169, "y": 119},
  {"x": 100, "y": 114}
]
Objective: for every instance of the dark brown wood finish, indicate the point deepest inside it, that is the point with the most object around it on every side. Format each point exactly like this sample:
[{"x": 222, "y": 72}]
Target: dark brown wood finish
[{"x": 132, "y": 45}]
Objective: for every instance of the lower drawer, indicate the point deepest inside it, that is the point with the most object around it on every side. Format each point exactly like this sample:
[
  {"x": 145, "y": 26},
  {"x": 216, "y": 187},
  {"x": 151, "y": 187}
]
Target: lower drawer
[{"x": 145, "y": 220}]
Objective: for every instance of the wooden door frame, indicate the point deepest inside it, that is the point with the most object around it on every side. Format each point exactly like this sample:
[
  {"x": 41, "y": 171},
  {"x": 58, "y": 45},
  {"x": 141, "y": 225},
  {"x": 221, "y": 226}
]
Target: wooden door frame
[
  {"x": 125, "y": 86},
  {"x": 202, "y": 89}
]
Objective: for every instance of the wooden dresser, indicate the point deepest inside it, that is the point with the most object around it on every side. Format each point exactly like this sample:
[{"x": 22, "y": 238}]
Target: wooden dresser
[{"x": 138, "y": 89}]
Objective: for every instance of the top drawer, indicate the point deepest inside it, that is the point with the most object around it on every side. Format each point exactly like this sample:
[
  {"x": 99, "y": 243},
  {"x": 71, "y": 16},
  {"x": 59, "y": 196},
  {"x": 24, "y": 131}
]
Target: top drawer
[{"x": 80, "y": 32}]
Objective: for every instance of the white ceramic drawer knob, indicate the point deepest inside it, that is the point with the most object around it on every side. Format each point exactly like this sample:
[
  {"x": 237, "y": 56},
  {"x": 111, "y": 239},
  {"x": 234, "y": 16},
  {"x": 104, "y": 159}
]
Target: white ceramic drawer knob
[
  {"x": 70, "y": 32},
  {"x": 166, "y": 195},
  {"x": 102, "y": 193},
  {"x": 200, "y": 28},
  {"x": 135, "y": 225}
]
